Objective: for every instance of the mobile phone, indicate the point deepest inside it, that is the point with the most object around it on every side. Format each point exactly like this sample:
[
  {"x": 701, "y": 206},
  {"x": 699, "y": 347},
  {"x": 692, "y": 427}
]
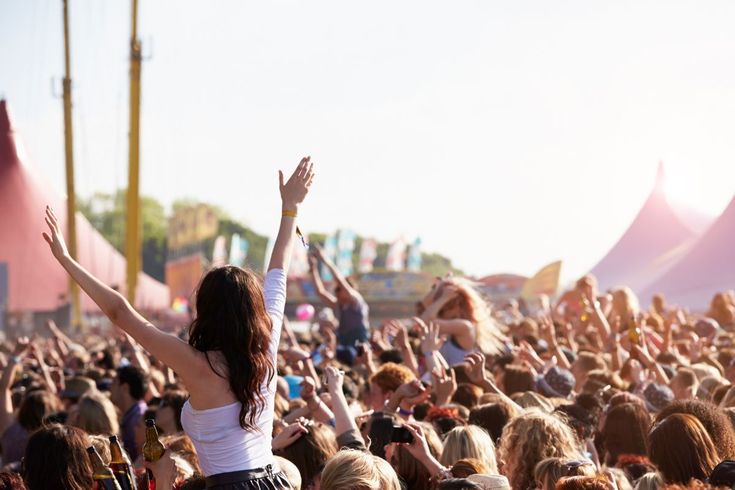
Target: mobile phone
[{"x": 401, "y": 434}]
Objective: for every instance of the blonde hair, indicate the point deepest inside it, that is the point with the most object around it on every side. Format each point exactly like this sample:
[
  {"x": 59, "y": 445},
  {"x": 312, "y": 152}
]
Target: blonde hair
[
  {"x": 549, "y": 471},
  {"x": 625, "y": 303},
  {"x": 102, "y": 445},
  {"x": 96, "y": 414},
  {"x": 469, "y": 442},
  {"x": 530, "y": 438},
  {"x": 469, "y": 305},
  {"x": 358, "y": 470}
]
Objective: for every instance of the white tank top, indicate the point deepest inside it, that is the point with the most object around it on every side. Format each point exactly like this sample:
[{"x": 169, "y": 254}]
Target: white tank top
[{"x": 222, "y": 445}]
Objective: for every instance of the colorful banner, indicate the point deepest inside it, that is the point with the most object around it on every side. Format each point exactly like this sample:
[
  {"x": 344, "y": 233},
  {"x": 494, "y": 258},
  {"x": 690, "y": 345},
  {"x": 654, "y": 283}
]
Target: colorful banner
[
  {"x": 414, "y": 256},
  {"x": 191, "y": 225},
  {"x": 219, "y": 254},
  {"x": 330, "y": 252},
  {"x": 345, "y": 247},
  {"x": 238, "y": 250},
  {"x": 368, "y": 254},
  {"x": 396, "y": 259},
  {"x": 545, "y": 281}
]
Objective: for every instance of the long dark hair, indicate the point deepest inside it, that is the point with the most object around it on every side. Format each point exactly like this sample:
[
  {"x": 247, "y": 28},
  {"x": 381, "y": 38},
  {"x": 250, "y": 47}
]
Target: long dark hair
[
  {"x": 56, "y": 457},
  {"x": 231, "y": 318}
]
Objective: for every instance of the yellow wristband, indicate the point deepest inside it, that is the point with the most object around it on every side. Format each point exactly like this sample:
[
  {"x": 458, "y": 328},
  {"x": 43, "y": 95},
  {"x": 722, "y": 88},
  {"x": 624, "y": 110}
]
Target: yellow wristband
[{"x": 288, "y": 213}]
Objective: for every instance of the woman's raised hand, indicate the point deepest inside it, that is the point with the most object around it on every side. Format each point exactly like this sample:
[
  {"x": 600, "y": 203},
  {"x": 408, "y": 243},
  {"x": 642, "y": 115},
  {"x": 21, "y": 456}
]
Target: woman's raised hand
[
  {"x": 54, "y": 237},
  {"x": 295, "y": 189}
]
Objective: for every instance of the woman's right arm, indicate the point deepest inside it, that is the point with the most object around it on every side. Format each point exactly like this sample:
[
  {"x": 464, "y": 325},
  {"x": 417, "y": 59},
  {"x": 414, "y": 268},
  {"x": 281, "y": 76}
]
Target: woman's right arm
[{"x": 168, "y": 348}]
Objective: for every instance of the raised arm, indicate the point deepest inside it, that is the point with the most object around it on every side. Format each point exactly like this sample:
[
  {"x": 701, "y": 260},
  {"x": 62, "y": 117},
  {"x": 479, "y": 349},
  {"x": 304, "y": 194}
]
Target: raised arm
[
  {"x": 293, "y": 193},
  {"x": 327, "y": 297},
  {"x": 168, "y": 348},
  {"x": 338, "y": 277}
]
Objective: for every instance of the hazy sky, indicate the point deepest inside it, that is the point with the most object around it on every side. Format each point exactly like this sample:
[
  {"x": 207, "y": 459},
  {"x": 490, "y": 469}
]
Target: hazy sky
[{"x": 505, "y": 134}]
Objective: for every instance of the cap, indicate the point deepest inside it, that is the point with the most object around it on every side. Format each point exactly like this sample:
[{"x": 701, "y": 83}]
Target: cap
[
  {"x": 657, "y": 397},
  {"x": 556, "y": 382}
]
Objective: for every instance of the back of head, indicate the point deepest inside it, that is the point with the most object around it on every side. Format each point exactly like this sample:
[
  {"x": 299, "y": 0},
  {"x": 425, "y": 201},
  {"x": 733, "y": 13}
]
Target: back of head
[
  {"x": 35, "y": 407},
  {"x": 469, "y": 442},
  {"x": 681, "y": 449},
  {"x": 467, "y": 395},
  {"x": 597, "y": 482},
  {"x": 492, "y": 417},
  {"x": 625, "y": 431},
  {"x": 550, "y": 470},
  {"x": 311, "y": 451},
  {"x": 715, "y": 421},
  {"x": 530, "y": 438},
  {"x": 469, "y": 466},
  {"x": 231, "y": 319},
  {"x": 391, "y": 375},
  {"x": 135, "y": 379},
  {"x": 56, "y": 457},
  {"x": 358, "y": 470},
  {"x": 95, "y": 414},
  {"x": 458, "y": 484},
  {"x": 518, "y": 379}
]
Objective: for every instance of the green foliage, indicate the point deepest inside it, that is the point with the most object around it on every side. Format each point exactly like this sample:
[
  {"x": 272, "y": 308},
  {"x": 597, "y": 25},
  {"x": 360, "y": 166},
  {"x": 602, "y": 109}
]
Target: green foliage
[{"x": 107, "y": 213}]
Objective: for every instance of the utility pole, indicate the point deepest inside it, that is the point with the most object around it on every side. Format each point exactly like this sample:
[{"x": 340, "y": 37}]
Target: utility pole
[
  {"x": 133, "y": 227},
  {"x": 71, "y": 197}
]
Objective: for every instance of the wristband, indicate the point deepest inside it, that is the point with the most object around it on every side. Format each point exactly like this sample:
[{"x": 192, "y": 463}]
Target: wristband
[
  {"x": 289, "y": 213},
  {"x": 407, "y": 413},
  {"x": 16, "y": 359}
]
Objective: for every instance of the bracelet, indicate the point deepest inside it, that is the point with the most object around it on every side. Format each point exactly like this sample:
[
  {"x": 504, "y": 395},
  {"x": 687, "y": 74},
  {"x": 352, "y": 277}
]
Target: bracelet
[
  {"x": 16, "y": 359},
  {"x": 407, "y": 413},
  {"x": 289, "y": 213}
]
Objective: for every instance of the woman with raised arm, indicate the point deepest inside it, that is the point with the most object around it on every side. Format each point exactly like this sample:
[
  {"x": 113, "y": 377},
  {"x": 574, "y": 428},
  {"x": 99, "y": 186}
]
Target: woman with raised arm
[{"x": 228, "y": 365}]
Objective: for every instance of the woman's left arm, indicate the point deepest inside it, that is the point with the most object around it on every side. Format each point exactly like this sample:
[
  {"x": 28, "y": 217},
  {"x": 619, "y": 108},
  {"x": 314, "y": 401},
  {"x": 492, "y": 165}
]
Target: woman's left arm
[{"x": 293, "y": 193}]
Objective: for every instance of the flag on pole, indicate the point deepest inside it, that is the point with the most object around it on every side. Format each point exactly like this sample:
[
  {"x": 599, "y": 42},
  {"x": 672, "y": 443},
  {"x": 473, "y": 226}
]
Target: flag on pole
[
  {"x": 545, "y": 281},
  {"x": 299, "y": 263},
  {"x": 414, "y": 256},
  {"x": 238, "y": 250},
  {"x": 219, "y": 254},
  {"x": 368, "y": 253},
  {"x": 330, "y": 252},
  {"x": 345, "y": 247},
  {"x": 396, "y": 259}
]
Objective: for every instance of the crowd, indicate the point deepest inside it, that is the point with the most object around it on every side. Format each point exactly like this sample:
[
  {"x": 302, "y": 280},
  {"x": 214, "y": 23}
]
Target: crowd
[{"x": 592, "y": 392}]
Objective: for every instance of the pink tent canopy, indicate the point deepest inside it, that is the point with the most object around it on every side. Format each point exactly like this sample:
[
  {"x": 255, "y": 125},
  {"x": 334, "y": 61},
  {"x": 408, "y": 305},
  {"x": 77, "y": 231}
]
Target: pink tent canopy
[
  {"x": 707, "y": 268},
  {"x": 651, "y": 245},
  {"x": 36, "y": 281}
]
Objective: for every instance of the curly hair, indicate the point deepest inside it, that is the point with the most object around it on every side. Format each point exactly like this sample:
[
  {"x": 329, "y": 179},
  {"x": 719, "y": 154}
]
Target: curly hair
[
  {"x": 715, "y": 422},
  {"x": 391, "y": 376},
  {"x": 530, "y": 438}
]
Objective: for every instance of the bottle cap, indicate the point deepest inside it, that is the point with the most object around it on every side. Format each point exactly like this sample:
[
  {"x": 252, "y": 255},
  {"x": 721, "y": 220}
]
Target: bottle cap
[
  {"x": 113, "y": 439},
  {"x": 150, "y": 423},
  {"x": 91, "y": 450}
]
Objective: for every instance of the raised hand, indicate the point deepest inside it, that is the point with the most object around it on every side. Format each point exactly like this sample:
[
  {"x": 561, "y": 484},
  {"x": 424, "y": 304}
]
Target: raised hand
[
  {"x": 295, "y": 189},
  {"x": 335, "y": 379},
  {"x": 54, "y": 237},
  {"x": 444, "y": 385},
  {"x": 289, "y": 435},
  {"x": 308, "y": 388},
  {"x": 475, "y": 368},
  {"x": 431, "y": 341}
]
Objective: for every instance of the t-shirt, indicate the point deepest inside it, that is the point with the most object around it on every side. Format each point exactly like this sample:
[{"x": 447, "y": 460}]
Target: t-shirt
[
  {"x": 130, "y": 422},
  {"x": 353, "y": 322}
]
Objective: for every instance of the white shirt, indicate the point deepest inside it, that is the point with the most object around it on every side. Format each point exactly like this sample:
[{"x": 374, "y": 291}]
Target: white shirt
[{"x": 222, "y": 445}]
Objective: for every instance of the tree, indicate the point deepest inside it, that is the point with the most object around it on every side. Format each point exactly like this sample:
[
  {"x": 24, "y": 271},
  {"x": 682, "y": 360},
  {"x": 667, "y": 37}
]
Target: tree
[{"x": 107, "y": 213}]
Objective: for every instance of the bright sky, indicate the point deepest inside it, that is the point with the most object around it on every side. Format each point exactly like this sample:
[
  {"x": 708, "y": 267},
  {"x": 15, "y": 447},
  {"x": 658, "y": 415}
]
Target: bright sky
[{"x": 505, "y": 134}]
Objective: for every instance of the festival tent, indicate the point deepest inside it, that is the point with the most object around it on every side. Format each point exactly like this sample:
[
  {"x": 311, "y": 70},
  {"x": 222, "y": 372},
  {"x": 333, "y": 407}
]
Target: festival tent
[
  {"x": 707, "y": 268},
  {"x": 36, "y": 282},
  {"x": 656, "y": 239}
]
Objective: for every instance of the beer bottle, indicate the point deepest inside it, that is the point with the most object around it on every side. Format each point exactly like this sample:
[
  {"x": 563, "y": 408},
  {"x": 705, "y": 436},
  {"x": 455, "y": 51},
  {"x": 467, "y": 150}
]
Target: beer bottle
[
  {"x": 101, "y": 474},
  {"x": 153, "y": 449},
  {"x": 121, "y": 466}
]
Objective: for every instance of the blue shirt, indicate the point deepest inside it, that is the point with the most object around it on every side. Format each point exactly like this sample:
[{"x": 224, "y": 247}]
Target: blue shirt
[{"x": 130, "y": 421}]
